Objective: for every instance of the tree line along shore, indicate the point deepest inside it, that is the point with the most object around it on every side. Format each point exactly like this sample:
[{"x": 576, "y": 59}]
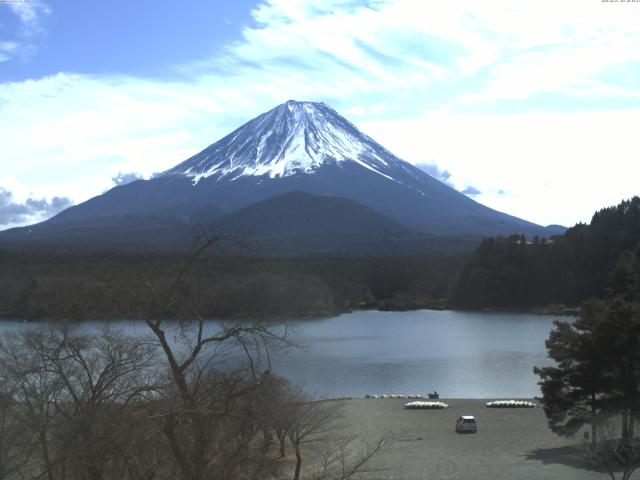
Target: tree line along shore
[{"x": 505, "y": 273}]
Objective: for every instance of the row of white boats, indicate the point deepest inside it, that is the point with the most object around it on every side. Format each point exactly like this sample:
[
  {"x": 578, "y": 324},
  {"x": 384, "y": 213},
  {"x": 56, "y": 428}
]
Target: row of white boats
[
  {"x": 510, "y": 404},
  {"x": 493, "y": 404},
  {"x": 420, "y": 403},
  {"x": 427, "y": 405},
  {"x": 394, "y": 396}
]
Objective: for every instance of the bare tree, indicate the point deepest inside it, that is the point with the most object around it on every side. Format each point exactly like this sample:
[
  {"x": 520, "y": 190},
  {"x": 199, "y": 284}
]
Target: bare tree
[
  {"x": 275, "y": 394},
  {"x": 75, "y": 397},
  {"x": 102, "y": 376},
  {"x": 314, "y": 427},
  {"x": 36, "y": 392},
  {"x": 614, "y": 452},
  {"x": 14, "y": 446},
  {"x": 309, "y": 422},
  {"x": 208, "y": 419},
  {"x": 349, "y": 456}
]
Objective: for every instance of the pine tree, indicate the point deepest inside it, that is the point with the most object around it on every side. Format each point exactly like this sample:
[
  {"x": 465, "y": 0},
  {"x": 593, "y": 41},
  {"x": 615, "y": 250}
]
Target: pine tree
[{"x": 597, "y": 371}]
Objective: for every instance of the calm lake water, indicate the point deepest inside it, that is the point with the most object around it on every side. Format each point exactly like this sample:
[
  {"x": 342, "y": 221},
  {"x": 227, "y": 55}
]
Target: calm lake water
[{"x": 459, "y": 354}]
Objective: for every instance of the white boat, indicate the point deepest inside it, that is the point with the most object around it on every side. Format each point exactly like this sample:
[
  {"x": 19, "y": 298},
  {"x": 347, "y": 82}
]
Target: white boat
[
  {"x": 510, "y": 404},
  {"x": 426, "y": 405}
]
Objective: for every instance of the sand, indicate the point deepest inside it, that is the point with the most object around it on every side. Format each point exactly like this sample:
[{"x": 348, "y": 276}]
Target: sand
[{"x": 510, "y": 443}]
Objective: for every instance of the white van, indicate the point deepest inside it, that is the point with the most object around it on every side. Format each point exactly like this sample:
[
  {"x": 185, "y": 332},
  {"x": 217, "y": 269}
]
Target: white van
[{"x": 466, "y": 423}]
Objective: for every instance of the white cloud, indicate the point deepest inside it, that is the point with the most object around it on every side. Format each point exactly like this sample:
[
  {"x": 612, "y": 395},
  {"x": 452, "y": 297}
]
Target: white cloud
[
  {"x": 471, "y": 191},
  {"x": 555, "y": 167},
  {"x": 408, "y": 72},
  {"x": 15, "y": 213},
  {"x": 30, "y": 13},
  {"x": 6, "y": 50},
  {"x": 125, "y": 178},
  {"x": 29, "y": 16},
  {"x": 436, "y": 172},
  {"x": 74, "y": 125}
]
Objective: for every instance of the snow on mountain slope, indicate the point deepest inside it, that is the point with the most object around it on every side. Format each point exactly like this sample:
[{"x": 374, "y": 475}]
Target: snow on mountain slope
[{"x": 293, "y": 138}]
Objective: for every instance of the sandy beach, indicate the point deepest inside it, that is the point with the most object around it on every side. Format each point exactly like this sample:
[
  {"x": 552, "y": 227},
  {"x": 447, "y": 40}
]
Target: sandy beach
[{"x": 510, "y": 443}]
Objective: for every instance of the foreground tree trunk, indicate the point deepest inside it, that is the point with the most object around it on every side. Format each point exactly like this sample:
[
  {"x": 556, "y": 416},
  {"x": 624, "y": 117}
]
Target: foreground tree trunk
[
  {"x": 594, "y": 411},
  {"x": 282, "y": 439},
  {"x": 296, "y": 474}
]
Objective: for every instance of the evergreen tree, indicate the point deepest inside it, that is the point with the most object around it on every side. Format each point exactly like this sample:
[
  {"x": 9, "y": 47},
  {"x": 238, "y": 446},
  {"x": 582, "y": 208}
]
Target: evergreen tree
[
  {"x": 597, "y": 371},
  {"x": 572, "y": 390},
  {"x": 508, "y": 272}
]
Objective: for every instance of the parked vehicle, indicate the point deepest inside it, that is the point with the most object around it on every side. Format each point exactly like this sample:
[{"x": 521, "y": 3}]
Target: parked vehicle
[{"x": 466, "y": 423}]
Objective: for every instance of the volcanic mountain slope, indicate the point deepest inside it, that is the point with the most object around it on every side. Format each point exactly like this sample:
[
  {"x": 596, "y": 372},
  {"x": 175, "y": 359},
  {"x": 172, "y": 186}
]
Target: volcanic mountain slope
[
  {"x": 293, "y": 224},
  {"x": 295, "y": 147},
  {"x": 300, "y": 213},
  {"x": 299, "y": 223}
]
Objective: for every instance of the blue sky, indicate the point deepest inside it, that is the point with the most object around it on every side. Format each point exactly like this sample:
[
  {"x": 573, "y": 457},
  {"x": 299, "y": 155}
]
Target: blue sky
[
  {"x": 100, "y": 38},
  {"x": 531, "y": 106}
]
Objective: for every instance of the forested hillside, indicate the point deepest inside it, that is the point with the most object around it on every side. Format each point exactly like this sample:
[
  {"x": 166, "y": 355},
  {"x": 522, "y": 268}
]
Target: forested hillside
[
  {"x": 92, "y": 286},
  {"x": 513, "y": 272},
  {"x": 503, "y": 273}
]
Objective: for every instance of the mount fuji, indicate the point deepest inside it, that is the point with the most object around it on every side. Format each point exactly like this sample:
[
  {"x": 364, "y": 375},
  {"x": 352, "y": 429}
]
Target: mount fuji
[{"x": 302, "y": 147}]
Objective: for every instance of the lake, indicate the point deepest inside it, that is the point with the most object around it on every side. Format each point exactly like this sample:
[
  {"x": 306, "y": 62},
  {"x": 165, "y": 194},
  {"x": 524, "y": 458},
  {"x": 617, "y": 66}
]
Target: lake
[{"x": 459, "y": 354}]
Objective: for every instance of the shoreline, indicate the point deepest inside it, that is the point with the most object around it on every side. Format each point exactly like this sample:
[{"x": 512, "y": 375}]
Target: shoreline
[
  {"x": 381, "y": 398},
  {"x": 510, "y": 444},
  {"x": 310, "y": 316}
]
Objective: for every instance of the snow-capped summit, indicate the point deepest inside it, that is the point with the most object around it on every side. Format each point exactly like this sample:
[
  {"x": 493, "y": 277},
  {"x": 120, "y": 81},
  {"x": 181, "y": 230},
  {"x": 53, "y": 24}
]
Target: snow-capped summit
[{"x": 293, "y": 138}]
